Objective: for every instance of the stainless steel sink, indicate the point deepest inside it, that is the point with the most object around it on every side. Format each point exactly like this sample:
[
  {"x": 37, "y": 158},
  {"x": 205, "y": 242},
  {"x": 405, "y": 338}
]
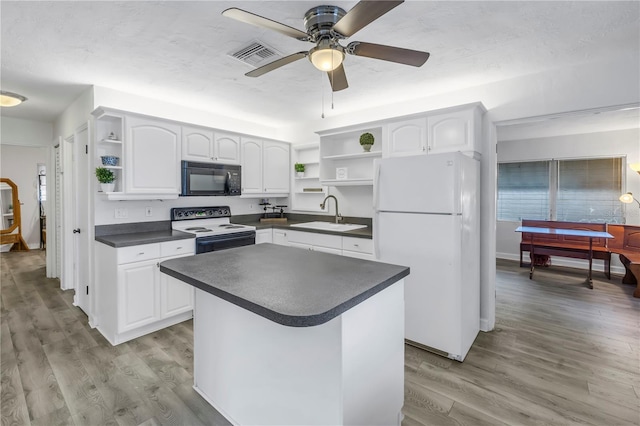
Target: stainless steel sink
[{"x": 328, "y": 226}]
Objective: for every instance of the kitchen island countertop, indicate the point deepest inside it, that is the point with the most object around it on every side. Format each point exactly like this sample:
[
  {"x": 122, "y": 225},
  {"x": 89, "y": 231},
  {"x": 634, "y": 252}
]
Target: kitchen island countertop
[{"x": 289, "y": 286}]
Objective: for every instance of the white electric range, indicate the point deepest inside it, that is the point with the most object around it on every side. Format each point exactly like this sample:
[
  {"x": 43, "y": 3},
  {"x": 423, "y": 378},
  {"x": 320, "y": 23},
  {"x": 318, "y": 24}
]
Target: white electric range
[{"x": 212, "y": 227}]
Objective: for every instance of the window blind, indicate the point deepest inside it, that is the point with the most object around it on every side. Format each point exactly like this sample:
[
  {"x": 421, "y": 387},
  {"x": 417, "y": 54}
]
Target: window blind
[
  {"x": 523, "y": 191},
  {"x": 588, "y": 190}
]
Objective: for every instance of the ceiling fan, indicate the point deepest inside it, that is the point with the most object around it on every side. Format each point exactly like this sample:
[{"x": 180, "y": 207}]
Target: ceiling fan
[{"x": 326, "y": 26}]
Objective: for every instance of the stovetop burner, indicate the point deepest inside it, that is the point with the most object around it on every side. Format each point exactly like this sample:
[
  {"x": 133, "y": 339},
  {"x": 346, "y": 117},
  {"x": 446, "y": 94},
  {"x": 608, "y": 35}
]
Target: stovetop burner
[{"x": 196, "y": 228}]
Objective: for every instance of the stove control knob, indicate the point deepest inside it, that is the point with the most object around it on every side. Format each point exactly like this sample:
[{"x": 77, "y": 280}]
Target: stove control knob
[
  {"x": 226, "y": 212},
  {"x": 209, "y": 213},
  {"x": 179, "y": 214}
]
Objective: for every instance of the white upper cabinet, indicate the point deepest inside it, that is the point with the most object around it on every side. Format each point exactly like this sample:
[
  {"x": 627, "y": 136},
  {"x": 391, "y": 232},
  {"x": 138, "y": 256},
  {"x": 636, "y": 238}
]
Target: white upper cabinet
[
  {"x": 251, "y": 166},
  {"x": 152, "y": 150},
  {"x": 455, "y": 130},
  {"x": 197, "y": 144},
  {"x": 276, "y": 170},
  {"x": 226, "y": 148},
  {"x": 407, "y": 137},
  {"x": 265, "y": 167},
  {"x": 203, "y": 145}
]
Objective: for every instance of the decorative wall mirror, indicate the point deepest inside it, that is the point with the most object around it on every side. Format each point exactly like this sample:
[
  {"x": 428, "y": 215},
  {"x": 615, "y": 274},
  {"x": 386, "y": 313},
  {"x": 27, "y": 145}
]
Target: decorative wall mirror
[{"x": 11, "y": 232}]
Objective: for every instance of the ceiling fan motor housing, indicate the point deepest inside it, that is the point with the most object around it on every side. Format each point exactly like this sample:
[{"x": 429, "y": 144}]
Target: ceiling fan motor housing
[{"x": 320, "y": 20}]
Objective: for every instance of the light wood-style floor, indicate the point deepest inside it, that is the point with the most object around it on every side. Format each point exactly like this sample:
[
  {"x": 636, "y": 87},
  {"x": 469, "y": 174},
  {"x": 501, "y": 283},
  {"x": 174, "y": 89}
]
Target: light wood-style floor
[{"x": 560, "y": 354}]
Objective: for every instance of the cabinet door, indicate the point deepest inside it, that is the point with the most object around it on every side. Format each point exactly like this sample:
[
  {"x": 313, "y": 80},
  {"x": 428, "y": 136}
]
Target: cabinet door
[
  {"x": 227, "y": 148},
  {"x": 280, "y": 237},
  {"x": 137, "y": 294},
  {"x": 407, "y": 138},
  {"x": 327, "y": 250},
  {"x": 264, "y": 236},
  {"x": 276, "y": 172},
  {"x": 450, "y": 132},
  {"x": 152, "y": 153},
  {"x": 251, "y": 166},
  {"x": 197, "y": 144},
  {"x": 176, "y": 296}
]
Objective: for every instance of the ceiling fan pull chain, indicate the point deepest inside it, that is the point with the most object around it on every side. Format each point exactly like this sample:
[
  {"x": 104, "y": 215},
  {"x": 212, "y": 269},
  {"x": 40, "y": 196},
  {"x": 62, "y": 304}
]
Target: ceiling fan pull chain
[{"x": 322, "y": 96}]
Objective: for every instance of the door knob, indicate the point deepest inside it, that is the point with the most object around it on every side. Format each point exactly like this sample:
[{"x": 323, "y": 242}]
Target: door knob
[{"x": 76, "y": 231}]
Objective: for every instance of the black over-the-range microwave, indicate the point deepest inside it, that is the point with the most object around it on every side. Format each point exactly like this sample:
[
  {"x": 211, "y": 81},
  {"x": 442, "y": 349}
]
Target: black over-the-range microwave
[{"x": 210, "y": 179}]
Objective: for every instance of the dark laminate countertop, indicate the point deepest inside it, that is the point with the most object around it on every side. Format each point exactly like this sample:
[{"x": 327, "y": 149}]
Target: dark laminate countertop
[
  {"x": 139, "y": 238},
  {"x": 293, "y": 287}
]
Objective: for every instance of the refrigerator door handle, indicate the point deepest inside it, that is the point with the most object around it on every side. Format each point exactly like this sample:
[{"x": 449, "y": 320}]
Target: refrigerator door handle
[
  {"x": 376, "y": 184},
  {"x": 376, "y": 249}
]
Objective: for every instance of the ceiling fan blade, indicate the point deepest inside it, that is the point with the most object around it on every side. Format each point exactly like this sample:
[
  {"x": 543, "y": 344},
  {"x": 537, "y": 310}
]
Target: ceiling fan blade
[
  {"x": 259, "y": 21},
  {"x": 338, "y": 79},
  {"x": 388, "y": 53},
  {"x": 361, "y": 15},
  {"x": 276, "y": 64}
]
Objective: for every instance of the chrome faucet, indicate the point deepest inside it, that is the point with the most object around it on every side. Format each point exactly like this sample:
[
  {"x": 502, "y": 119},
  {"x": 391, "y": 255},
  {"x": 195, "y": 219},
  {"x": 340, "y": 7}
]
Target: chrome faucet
[{"x": 338, "y": 217}]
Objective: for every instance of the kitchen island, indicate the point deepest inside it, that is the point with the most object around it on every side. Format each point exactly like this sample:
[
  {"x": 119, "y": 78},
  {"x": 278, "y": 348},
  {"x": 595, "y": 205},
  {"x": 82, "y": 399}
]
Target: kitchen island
[{"x": 290, "y": 336}]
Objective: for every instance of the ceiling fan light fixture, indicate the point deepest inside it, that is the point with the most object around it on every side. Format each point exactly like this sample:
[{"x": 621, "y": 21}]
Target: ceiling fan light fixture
[
  {"x": 326, "y": 57},
  {"x": 9, "y": 99}
]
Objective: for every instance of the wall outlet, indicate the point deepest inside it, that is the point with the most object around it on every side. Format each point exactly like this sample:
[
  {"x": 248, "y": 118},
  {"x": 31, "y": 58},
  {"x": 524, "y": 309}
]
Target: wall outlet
[
  {"x": 148, "y": 211},
  {"x": 121, "y": 213}
]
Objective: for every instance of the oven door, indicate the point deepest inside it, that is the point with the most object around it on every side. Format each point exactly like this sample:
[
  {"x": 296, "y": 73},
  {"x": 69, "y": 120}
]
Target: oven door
[
  {"x": 204, "y": 179},
  {"x": 225, "y": 241}
]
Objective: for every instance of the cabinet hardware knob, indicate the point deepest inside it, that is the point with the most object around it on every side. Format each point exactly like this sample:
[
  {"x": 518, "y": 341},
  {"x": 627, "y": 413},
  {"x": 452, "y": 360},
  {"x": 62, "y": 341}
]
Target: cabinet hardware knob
[
  {"x": 158, "y": 264},
  {"x": 141, "y": 253},
  {"x": 356, "y": 245},
  {"x": 178, "y": 248},
  {"x": 424, "y": 148}
]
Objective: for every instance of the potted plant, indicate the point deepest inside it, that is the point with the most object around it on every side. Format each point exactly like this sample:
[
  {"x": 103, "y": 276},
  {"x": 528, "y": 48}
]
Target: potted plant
[
  {"x": 299, "y": 167},
  {"x": 106, "y": 178},
  {"x": 366, "y": 140}
]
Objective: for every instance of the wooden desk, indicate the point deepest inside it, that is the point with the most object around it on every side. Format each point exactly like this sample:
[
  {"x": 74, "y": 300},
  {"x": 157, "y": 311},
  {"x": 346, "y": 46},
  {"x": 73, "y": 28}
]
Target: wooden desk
[{"x": 573, "y": 232}]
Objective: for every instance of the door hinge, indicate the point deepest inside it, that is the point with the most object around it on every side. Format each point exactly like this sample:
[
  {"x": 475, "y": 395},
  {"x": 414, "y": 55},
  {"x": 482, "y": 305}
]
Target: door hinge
[
  {"x": 87, "y": 290},
  {"x": 86, "y": 149}
]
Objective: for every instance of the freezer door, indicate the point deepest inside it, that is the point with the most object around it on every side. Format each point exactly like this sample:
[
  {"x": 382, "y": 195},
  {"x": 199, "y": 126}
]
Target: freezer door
[
  {"x": 430, "y": 245},
  {"x": 421, "y": 183}
]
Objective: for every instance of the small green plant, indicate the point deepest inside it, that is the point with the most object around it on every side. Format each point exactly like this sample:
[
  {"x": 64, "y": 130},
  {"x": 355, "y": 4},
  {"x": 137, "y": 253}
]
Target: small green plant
[
  {"x": 104, "y": 175},
  {"x": 299, "y": 167},
  {"x": 366, "y": 139}
]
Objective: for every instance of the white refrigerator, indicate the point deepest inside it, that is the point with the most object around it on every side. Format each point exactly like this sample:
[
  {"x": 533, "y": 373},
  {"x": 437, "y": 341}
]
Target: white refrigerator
[{"x": 427, "y": 216}]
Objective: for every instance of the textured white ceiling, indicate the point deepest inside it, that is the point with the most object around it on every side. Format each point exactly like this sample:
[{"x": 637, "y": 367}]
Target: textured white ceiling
[{"x": 177, "y": 51}]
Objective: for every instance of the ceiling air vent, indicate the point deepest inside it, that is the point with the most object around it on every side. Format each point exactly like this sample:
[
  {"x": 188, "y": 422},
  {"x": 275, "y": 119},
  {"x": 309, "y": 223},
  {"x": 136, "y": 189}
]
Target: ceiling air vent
[{"x": 256, "y": 54}]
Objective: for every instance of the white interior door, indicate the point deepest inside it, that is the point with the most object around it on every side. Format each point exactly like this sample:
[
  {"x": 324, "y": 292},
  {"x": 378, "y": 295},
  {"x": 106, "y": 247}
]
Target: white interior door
[{"x": 81, "y": 219}]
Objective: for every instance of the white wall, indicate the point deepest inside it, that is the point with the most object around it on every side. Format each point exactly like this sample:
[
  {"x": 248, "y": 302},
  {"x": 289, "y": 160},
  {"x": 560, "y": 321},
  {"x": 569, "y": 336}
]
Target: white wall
[
  {"x": 18, "y": 131},
  {"x": 620, "y": 143},
  {"x": 138, "y": 104},
  {"x": 75, "y": 115},
  {"x": 20, "y": 164},
  {"x": 105, "y": 209}
]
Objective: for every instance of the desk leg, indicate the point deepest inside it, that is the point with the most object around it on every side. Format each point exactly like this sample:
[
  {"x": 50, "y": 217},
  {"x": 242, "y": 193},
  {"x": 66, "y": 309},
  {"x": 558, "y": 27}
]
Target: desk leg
[{"x": 531, "y": 254}]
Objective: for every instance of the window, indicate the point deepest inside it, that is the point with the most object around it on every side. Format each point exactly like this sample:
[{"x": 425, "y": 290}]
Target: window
[{"x": 566, "y": 190}]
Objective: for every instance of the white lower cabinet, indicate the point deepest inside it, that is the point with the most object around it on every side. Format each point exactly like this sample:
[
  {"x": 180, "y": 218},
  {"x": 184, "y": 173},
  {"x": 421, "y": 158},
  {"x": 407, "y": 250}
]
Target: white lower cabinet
[
  {"x": 176, "y": 297},
  {"x": 137, "y": 294},
  {"x": 264, "y": 236},
  {"x": 361, "y": 248},
  {"x": 280, "y": 237},
  {"x": 132, "y": 297}
]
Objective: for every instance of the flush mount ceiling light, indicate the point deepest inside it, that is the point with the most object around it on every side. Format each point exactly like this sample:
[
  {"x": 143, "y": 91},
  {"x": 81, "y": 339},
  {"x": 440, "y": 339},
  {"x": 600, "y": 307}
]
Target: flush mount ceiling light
[
  {"x": 8, "y": 99},
  {"x": 325, "y": 56}
]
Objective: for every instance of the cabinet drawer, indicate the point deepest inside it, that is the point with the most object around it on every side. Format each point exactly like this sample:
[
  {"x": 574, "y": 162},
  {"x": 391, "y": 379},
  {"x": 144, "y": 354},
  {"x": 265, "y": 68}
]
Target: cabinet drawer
[
  {"x": 177, "y": 248},
  {"x": 323, "y": 240},
  {"x": 361, "y": 245},
  {"x": 138, "y": 253}
]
